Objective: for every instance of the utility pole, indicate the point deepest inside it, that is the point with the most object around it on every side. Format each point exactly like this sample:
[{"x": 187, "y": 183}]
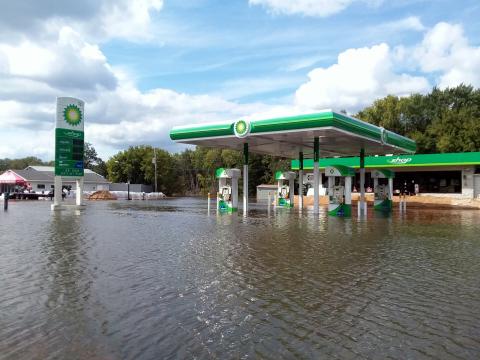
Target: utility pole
[{"x": 154, "y": 161}]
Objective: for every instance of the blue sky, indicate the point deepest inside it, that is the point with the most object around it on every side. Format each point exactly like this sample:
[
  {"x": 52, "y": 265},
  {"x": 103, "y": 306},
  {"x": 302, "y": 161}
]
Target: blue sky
[
  {"x": 223, "y": 43},
  {"x": 143, "y": 66}
]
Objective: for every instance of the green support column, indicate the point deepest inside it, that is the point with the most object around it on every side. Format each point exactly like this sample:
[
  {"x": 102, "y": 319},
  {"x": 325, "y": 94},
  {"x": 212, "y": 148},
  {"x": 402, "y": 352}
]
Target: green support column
[
  {"x": 245, "y": 178},
  {"x": 316, "y": 175},
  {"x": 362, "y": 205},
  {"x": 300, "y": 181}
]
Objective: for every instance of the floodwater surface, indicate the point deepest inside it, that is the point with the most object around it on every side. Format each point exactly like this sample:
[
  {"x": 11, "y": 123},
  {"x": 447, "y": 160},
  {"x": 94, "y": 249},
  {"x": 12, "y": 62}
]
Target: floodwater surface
[{"x": 161, "y": 279}]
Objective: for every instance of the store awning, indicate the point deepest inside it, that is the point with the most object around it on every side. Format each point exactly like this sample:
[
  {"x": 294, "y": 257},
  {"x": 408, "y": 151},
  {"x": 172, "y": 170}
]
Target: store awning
[
  {"x": 399, "y": 161},
  {"x": 11, "y": 178},
  {"x": 339, "y": 135}
]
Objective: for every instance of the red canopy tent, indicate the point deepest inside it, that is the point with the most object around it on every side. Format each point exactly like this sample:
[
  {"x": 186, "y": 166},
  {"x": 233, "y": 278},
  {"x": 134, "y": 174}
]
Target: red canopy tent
[{"x": 9, "y": 177}]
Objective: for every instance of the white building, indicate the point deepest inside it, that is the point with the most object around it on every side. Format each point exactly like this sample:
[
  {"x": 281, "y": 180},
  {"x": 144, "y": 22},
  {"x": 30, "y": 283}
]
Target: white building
[{"x": 41, "y": 178}]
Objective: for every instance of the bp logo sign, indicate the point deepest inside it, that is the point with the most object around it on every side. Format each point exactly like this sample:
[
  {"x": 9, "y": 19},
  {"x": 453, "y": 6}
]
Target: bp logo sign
[
  {"x": 72, "y": 115},
  {"x": 241, "y": 128}
]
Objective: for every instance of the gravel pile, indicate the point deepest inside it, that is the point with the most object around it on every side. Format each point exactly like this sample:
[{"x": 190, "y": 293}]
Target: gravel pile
[{"x": 102, "y": 195}]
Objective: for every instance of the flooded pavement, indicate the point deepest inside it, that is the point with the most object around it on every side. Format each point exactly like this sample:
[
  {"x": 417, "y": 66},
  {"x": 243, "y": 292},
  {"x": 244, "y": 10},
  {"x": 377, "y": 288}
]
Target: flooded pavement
[{"x": 161, "y": 279}]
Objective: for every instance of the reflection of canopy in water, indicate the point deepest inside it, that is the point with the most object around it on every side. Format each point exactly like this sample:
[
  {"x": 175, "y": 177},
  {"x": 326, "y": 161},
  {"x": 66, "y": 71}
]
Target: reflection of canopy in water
[{"x": 339, "y": 135}]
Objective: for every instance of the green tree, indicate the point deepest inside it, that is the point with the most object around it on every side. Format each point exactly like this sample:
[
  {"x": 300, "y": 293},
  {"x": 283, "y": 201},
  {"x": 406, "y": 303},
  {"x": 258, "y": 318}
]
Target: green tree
[
  {"x": 136, "y": 166},
  {"x": 92, "y": 161},
  {"x": 22, "y": 163},
  {"x": 186, "y": 172},
  {"x": 443, "y": 120},
  {"x": 388, "y": 112},
  {"x": 456, "y": 131}
]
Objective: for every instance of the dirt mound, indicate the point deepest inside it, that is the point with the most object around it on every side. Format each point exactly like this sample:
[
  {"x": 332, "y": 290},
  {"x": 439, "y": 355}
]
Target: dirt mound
[{"x": 102, "y": 195}]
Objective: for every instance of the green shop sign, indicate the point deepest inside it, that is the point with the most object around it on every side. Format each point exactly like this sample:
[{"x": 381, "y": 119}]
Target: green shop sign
[{"x": 446, "y": 159}]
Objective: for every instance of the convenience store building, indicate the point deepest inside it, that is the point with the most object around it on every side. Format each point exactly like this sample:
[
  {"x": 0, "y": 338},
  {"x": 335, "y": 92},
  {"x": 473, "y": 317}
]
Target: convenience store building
[{"x": 446, "y": 175}]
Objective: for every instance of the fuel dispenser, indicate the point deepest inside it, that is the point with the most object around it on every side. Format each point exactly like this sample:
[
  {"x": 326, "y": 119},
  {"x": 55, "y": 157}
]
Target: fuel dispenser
[
  {"x": 285, "y": 181},
  {"x": 227, "y": 196},
  {"x": 383, "y": 189},
  {"x": 339, "y": 190}
]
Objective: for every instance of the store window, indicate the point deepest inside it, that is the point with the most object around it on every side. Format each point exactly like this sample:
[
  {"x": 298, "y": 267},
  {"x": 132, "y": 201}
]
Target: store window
[
  {"x": 443, "y": 182},
  {"x": 368, "y": 181}
]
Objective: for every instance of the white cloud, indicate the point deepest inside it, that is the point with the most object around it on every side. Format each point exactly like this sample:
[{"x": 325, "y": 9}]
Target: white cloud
[
  {"x": 117, "y": 113},
  {"x": 409, "y": 23},
  {"x": 116, "y": 119},
  {"x": 303, "y": 63},
  {"x": 17, "y": 114},
  {"x": 21, "y": 142},
  {"x": 36, "y": 69},
  {"x": 66, "y": 63},
  {"x": 362, "y": 75},
  {"x": 239, "y": 88},
  {"x": 446, "y": 51},
  {"x": 359, "y": 77},
  {"x": 320, "y": 8},
  {"x": 129, "y": 19},
  {"x": 129, "y": 116},
  {"x": 95, "y": 20}
]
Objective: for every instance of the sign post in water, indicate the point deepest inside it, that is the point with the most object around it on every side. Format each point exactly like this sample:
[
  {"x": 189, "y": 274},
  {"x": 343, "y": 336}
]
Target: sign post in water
[{"x": 69, "y": 146}]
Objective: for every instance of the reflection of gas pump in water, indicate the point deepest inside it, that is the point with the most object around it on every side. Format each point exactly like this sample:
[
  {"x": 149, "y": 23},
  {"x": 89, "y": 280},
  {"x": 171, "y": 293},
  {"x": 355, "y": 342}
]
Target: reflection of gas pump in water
[
  {"x": 339, "y": 190},
  {"x": 285, "y": 190},
  {"x": 227, "y": 196},
  {"x": 383, "y": 189}
]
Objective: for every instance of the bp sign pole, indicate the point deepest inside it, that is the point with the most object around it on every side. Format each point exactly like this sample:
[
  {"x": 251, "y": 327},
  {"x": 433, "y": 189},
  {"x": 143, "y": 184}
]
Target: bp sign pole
[{"x": 69, "y": 146}]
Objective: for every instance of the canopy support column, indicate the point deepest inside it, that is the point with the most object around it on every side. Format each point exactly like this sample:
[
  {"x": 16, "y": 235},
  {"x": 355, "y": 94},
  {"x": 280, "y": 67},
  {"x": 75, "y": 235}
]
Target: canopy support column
[
  {"x": 300, "y": 181},
  {"x": 57, "y": 191},
  {"x": 390, "y": 189},
  {"x": 245, "y": 178},
  {"x": 79, "y": 192},
  {"x": 362, "y": 205},
  {"x": 316, "y": 175}
]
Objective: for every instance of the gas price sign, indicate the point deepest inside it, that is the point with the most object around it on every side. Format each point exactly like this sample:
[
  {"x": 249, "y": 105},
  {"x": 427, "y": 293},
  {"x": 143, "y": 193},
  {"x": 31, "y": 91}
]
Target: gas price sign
[{"x": 69, "y": 137}]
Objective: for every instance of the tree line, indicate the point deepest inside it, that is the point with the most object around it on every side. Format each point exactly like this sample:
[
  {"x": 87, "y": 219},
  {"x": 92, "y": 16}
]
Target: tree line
[
  {"x": 441, "y": 121},
  {"x": 445, "y": 120},
  {"x": 6, "y": 163},
  {"x": 190, "y": 172}
]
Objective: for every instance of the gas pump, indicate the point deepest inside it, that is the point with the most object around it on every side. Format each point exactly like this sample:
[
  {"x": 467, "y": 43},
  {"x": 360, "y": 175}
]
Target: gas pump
[
  {"x": 308, "y": 181},
  {"x": 383, "y": 189},
  {"x": 227, "y": 196},
  {"x": 339, "y": 190},
  {"x": 285, "y": 190}
]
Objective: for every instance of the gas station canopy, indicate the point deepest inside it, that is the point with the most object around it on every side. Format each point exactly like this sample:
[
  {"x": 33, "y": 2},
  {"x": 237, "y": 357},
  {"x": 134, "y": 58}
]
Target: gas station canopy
[{"x": 339, "y": 135}]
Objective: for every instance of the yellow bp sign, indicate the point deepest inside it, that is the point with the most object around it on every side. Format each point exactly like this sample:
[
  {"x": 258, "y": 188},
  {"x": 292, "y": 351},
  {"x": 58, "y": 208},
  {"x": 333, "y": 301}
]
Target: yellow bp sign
[
  {"x": 69, "y": 137},
  {"x": 72, "y": 115},
  {"x": 241, "y": 128}
]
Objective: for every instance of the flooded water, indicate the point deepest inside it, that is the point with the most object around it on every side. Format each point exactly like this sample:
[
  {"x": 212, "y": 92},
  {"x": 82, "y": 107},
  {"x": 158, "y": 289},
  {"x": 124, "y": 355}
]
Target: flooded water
[{"x": 161, "y": 279}]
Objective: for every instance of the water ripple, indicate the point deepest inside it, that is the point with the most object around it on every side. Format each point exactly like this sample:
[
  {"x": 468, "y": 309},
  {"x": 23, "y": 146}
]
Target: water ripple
[{"x": 161, "y": 279}]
